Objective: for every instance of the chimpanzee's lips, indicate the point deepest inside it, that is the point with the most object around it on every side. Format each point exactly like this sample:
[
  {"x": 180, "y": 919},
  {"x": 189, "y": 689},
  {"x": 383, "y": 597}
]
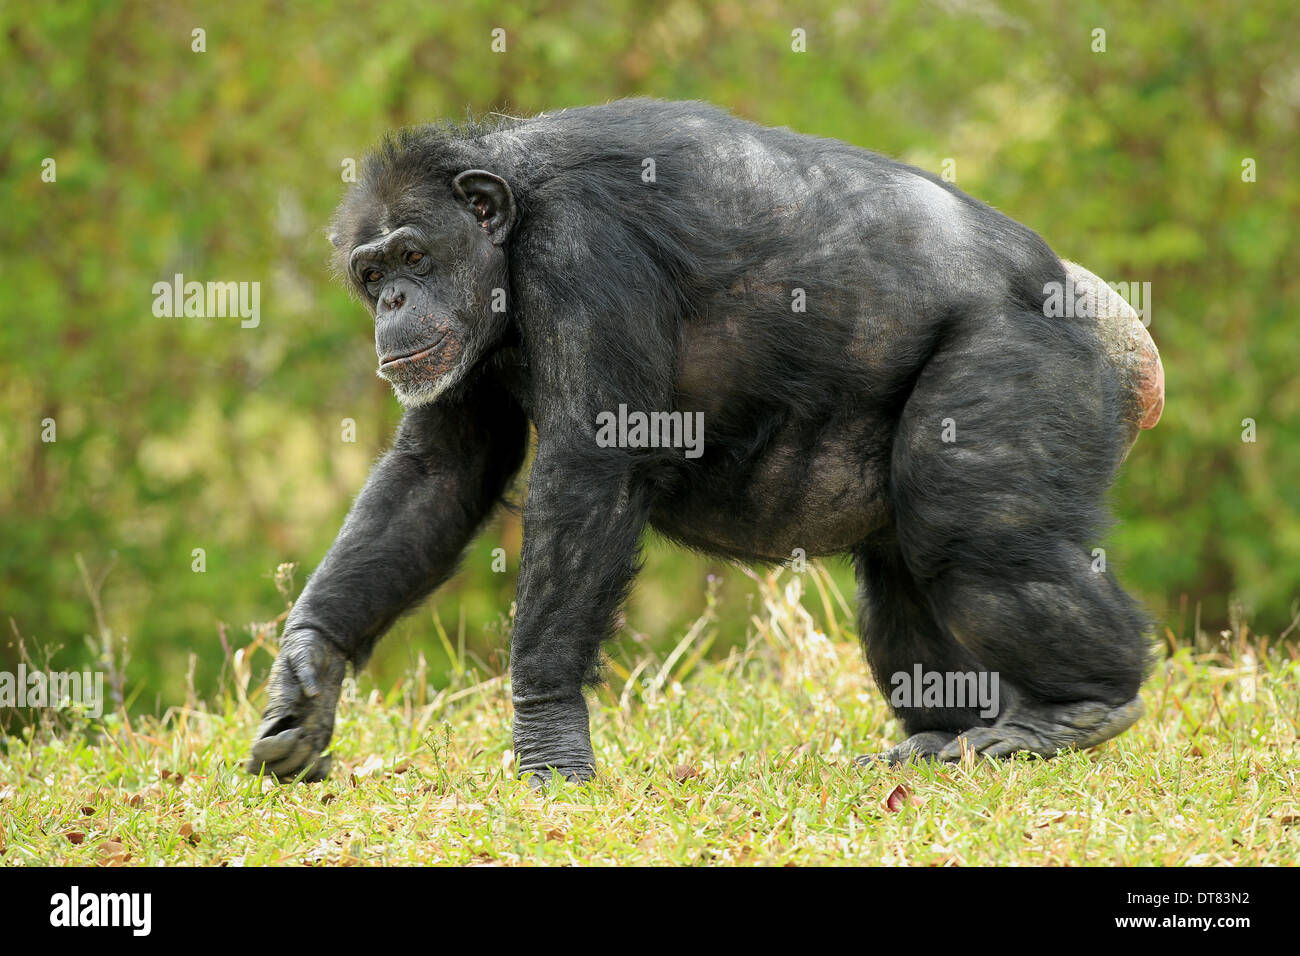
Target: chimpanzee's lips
[{"x": 413, "y": 356}]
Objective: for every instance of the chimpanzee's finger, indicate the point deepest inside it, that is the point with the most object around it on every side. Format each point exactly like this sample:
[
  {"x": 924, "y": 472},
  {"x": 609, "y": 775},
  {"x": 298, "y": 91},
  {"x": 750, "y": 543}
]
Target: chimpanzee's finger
[
  {"x": 303, "y": 669},
  {"x": 282, "y": 747},
  {"x": 320, "y": 770},
  {"x": 297, "y": 758},
  {"x": 290, "y": 766}
]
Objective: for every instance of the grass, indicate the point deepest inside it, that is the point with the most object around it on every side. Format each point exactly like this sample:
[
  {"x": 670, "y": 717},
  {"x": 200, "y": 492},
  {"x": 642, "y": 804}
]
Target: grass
[{"x": 747, "y": 760}]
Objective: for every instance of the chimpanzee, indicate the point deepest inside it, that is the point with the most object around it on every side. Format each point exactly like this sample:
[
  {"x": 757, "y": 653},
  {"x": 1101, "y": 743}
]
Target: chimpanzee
[{"x": 877, "y": 367}]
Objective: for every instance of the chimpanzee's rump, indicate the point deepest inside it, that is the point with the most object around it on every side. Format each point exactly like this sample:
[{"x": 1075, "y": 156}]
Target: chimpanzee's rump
[{"x": 1129, "y": 346}]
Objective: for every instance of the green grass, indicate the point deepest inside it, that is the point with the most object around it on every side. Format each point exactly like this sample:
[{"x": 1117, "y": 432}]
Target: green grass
[{"x": 748, "y": 760}]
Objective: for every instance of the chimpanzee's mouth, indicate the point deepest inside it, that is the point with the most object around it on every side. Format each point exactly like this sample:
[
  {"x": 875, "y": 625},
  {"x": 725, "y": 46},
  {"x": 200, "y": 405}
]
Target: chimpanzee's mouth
[{"x": 388, "y": 361}]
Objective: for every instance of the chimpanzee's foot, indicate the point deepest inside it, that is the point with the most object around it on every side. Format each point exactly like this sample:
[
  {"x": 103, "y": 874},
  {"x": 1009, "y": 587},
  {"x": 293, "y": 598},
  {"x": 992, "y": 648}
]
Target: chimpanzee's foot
[
  {"x": 302, "y": 696},
  {"x": 553, "y": 736},
  {"x": 919, "y": 747},
  {"x": 1042, "y": 730},
  {"x": 1046, "y": 729}
]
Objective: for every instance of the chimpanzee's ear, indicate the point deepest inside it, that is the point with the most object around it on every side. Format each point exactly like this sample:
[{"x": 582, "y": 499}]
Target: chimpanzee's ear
[{"x": 489, "y": 198}]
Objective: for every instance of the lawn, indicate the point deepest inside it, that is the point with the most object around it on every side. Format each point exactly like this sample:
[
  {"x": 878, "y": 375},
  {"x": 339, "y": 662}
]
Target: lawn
[{"x": 744, "y": 760}]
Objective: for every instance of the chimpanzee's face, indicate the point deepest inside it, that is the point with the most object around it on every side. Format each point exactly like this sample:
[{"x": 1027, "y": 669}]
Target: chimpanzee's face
[{"x": 433, "y": 274}]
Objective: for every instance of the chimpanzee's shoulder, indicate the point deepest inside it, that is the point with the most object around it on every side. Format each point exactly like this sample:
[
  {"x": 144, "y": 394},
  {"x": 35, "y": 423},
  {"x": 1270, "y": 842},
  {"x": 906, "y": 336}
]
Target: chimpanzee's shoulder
[{"x": 644, "y": 118}]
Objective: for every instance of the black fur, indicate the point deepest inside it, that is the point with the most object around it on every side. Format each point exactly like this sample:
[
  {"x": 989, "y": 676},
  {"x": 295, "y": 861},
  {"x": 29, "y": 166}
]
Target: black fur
[{"x": 822, "y": 427}]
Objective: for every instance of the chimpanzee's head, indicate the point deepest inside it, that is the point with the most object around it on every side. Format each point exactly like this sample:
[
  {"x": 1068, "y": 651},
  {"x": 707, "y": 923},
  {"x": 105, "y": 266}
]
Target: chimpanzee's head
[{"x": 422, "y": 242}]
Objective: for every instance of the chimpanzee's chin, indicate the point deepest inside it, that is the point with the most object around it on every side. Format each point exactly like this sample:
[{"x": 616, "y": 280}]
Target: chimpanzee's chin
[
  {"x": 424, "y": 392},
  {"x": 413, "y": 390}
]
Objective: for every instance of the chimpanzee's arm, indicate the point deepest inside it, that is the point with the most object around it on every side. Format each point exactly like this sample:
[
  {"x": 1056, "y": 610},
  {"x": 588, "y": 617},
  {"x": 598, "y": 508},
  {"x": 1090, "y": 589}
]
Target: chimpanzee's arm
[
  {"x": 419, "y": 508},
  {"x": 582, "y": 525},
  {"x": 590, "y": 352}
]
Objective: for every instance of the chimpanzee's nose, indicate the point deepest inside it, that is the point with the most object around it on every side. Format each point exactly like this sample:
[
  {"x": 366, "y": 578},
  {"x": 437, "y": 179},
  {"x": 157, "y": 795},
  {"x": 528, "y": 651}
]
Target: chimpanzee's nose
[{"x": 393, "y": 299}]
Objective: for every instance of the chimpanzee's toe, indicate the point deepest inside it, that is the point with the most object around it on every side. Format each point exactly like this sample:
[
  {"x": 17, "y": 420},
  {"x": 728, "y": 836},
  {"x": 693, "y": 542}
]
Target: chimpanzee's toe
[{"x": 920, "y": 747}]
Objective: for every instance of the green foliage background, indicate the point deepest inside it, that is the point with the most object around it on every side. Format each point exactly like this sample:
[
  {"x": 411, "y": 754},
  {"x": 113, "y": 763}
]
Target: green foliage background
[{"x": 175, "y": 434}]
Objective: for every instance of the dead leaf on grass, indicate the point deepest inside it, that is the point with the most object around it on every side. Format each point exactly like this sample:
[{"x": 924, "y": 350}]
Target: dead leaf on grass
[
  {"x": 112, "y": 852},
  {"x": 899, "y": 798}
]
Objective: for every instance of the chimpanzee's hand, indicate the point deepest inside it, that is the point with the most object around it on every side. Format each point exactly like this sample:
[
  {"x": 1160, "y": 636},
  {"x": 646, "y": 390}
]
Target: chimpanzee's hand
[
  {"x": 552, "y": 736},
  {"x": 299, "y": 718}
]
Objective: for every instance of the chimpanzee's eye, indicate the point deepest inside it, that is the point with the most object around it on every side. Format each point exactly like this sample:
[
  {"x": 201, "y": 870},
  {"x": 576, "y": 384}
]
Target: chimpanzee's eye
[
  {"x": 372, "y": 275},
  {"x": 412, "y": 258}
]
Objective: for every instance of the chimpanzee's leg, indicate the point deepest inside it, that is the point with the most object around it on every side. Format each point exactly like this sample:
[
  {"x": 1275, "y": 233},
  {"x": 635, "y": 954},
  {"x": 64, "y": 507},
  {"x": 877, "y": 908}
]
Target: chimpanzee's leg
[
  {"x": 418, "y": 510},
  {"x": 1002, "y": 458},
  {"x": 582, "y": 527},
  {"x": 899, "y": 635}
]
